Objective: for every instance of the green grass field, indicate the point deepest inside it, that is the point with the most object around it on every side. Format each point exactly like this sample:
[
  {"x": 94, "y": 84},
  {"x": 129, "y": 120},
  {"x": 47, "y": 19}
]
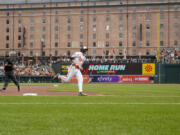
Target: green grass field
[{"x": 126, "y": 109}]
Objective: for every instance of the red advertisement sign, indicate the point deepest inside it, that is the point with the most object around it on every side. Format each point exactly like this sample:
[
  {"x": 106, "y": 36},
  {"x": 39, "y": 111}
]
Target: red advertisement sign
[
  {"x": 136, "y": 79},
  {"x": 74, "y": 80}
]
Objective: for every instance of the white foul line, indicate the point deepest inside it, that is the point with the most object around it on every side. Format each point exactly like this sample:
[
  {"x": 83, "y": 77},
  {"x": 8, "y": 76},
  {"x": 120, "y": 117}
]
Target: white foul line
[{"x": 89, "y": 103}]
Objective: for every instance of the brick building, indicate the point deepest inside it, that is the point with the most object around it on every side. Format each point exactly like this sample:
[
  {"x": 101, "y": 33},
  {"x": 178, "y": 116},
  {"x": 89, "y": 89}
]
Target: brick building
[{"x": 107, "y": 27}]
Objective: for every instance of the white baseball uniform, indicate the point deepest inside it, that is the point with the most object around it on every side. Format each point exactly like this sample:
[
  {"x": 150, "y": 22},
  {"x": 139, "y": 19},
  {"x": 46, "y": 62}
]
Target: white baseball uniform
[{"x": 78, "y": 59}]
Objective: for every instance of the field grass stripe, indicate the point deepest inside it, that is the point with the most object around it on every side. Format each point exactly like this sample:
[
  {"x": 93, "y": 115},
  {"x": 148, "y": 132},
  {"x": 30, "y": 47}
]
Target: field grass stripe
[{"x": 89, "y": 103}]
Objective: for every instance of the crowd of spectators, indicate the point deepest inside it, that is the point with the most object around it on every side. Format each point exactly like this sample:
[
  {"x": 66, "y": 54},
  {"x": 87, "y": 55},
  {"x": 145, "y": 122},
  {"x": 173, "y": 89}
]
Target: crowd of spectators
[{"x": 43, "y": 67}]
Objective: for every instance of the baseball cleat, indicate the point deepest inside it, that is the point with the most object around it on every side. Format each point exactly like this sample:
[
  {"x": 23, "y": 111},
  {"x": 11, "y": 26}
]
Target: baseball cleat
[
  {"x": 3, "y": 90},
  {"x": 19, "y": 89},
  {"x": 82, "y": 94}
]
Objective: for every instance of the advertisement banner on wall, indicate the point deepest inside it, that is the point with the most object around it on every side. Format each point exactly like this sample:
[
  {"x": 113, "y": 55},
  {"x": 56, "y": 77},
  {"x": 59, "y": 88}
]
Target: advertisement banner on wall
[
  {"x": 136, "y": 79},
  {"x": 148, "y": 69},
  {"x": 105, "y": 79},
  {"x": 86, "y": 79},
  {"x": 113, "y": 69}
]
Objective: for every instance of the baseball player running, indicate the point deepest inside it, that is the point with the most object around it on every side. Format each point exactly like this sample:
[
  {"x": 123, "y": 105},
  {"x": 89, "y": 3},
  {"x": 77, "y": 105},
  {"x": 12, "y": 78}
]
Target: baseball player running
[{"x": 75, "y": 69}]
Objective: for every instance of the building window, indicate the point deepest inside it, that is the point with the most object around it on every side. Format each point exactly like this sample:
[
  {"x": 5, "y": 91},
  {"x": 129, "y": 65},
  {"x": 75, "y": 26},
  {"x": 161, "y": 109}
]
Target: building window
[
  {"x": 31, "y": 29},
  {"x": 133, "y": 35},
  {"x": 82, "y": 4},
  {"x": 147, "y": 43},
  {"x": 176, "y": 8},
  {"x": 161, "y": 26},
  {"x": 148, "y": 18},
  {"x": 31, "y": 45},
  {"x": 147, "y": 52},
  {"x": 94, "y": 44},
  {"x": 19, "y": 13},
  {"x": 7, "y": 30},
  {"x": 147, "y": 34},
  {"x": 134, "y": 43},
  {"x": 81, "y": 19},
  {"x": 69, "y": 28},
  {"x": 44, "y": 29},
  {"x": 44, "y": 20},
  {"x": 19, "y": 45},
  {"x": 68, "y": 53},
  {"x": 147, "y": 9},
  {"x": 81, "y": 36},
  {"x": 107, "y": 27},
  {"x": 19, "y": 37},
  {"x": 69, "y": 36},
  {"x": 44, "y": 37},
  {"x": 134, "y": 9},
  {"x": 7, "y": 37},
  {"x": 31, "y": 37},
  {"x": 19, "y": 21},
  {"x": 57, "y": 12},
  {"x": 107, "y": 19},
  {"x": 94, "y": 11},
  {"x": 121, "y": 10},
  {"x": 107, "y": 44},
  {"x": 175, "y": 43},
  {"x": 69, "y": 20},
  {"x": 107, "y": 52},
  {"x": 56, "y": 37},
  {"x": 7, "y": 21},
  {"x": 31, "y": 21},
  {"x": 7, "y": 14},
  {"x": 121, "y": 18},
  {"x": 81, "y": 44},
  {"x": 69, "y": 12},
  {"x": 134, "y": 26},
  {"x": 56, "y": 45},
  {"x": 19, "y": 29},
  {"x": 69, "y": 44},
  {"x": 161, "y": 43},
  {"x": 175, "y": 16},
  {"x": 7, "y": 45},
  {"x": 120, "y": 43},
  {"x": 176, "y": 34},
  {"x": 134, "y": 52},
  {"x": 94, "y": 19},
  {"x": 57, "y": 20},
  {"x": 94, "y": 27},
  {"x": 121, "y": 27},
  {"x": 161, "y": 8},
  {"x": 147, "y": 26},
  {"x": 161, "y": 16},
  {"x": 176, "y": 26},
  {"x": 81, "y": 28},
  {"x": 82, "y": 11},
  {"x": 31, "y": 53},
  {"x": 94, "y": 3},
  {"x": 120, "y": 35},
  {"x": 107, "y": 35},
  {"x": 56, "y": 28},
  {"x": 161, "y": 35},
  {"x": 108, "y": 10},
  {"x": 133, "y": 18},
  {"x": 94, "y": 36}
]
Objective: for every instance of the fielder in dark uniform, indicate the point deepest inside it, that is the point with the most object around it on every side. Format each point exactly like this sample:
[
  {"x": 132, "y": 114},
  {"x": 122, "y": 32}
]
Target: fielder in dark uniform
[{"x": 9, "y": 73}]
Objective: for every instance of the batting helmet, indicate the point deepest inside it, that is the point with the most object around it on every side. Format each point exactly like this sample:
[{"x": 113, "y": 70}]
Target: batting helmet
[{"x": 84, "y": 49}]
